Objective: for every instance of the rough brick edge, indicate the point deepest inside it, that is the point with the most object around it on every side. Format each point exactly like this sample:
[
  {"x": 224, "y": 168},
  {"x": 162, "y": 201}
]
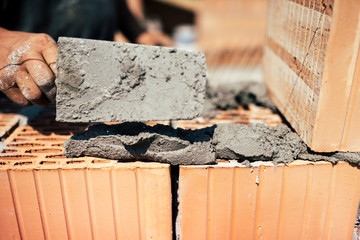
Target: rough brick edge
[{"x": 8, "y": 123}]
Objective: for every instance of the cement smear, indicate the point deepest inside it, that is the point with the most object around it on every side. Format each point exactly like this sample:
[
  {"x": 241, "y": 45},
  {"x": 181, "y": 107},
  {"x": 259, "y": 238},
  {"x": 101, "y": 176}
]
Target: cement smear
[
  {"x": 161, "y": 143},
  {"x": 230, "y": 96},
  {"x": 257, "y": 143},
  {"x": 261, "y": 143},
  {"x": 137, "y": 141}
]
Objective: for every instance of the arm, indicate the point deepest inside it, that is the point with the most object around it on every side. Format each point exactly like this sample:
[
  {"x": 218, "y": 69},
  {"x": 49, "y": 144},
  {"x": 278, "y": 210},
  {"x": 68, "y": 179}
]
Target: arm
[
  {"x": 128, "y": 24},
  {"x": 126, "y": 21},
  {"x": 27, "y": 67}
]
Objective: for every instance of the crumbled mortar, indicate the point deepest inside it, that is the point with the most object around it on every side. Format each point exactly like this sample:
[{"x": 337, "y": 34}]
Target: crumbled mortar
[
  {"x": 230, "y": 96},
  {"x": 261, "y": 143},
  {"x": 257, "y": 143},
  {"x": 161, "y": 143},
  {"x": 137, "y": 141}
]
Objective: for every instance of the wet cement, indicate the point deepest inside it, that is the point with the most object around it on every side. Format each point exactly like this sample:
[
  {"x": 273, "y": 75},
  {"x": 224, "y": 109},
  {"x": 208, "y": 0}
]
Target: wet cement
[
  {"x": 230, "y": 96},
  {"x": 137, "y": 141},
  {"x": 257, "y": 143},
  {"x": 261, "y": 143},
  {"x": 161, "y": 143}
]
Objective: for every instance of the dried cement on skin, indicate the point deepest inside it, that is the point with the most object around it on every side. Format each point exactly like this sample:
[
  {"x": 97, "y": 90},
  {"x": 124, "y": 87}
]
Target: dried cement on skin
[
  {"x": 230, "y": 96},
  {"x": 14, "y": 59},
  {"x": 245, "y": 143},
  {"x": 137, "y": 141}
]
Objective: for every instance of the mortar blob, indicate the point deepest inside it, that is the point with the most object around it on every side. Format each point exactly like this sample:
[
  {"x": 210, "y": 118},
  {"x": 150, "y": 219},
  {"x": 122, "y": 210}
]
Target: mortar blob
[{"x": 137, "y": 141}]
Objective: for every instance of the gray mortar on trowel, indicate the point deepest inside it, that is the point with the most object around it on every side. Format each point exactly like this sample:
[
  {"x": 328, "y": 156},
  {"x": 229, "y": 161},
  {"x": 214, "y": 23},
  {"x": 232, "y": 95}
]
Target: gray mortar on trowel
[{"x": 161, "y": 143}]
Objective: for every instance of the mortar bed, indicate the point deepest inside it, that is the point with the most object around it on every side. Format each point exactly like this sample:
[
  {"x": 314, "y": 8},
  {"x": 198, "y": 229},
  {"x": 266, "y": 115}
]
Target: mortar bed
[{"x": 35, "y": 176}]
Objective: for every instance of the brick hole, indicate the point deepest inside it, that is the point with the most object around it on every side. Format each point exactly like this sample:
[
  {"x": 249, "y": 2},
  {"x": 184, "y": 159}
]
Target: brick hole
[
  {"x": 67, "y": 133},
  {"x": 56, "y": 156},
  {"x": 66, "y": 129},
  {"x": 17, "y": 157},
  {"x": 56, "y": 128},
  {"x": 50, "y": 139},
  {"x": 29, "y": 134},
  {"x": 100, "y": 161},
  {"x": 19, "y": 139},
  {"x": 75, "y": 161},
  {"x": 44, "y": 150},
  {"x": 23, "y": 163},
  {"x": 39, "y": 124},
  {"x": 25, "y": 129},
  {"x": 58, "y": 132},
  {"x": 57, "y": 145},
  {"x": 25, "y": 145},
  {"x": 47, "y": 162},
  {"x": 9, "y": 151},
  {"x": 3, "y": 163}
]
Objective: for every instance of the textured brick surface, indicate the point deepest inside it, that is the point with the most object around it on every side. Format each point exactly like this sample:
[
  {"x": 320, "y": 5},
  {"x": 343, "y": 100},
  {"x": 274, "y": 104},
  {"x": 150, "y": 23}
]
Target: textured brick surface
[
  {"x": 44, "y": 195},
  {"x": 102, "y": 81},
  {"x": 252, "y": 115},
  {"x": 311, "y": 68},
  {"x": 301, "y": 200}
]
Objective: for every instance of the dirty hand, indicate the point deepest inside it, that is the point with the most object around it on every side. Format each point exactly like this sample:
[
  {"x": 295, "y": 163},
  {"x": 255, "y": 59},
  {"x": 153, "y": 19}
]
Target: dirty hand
[
  {"x": 154, "y": 38},
  {"x": 27, "y": 67}
]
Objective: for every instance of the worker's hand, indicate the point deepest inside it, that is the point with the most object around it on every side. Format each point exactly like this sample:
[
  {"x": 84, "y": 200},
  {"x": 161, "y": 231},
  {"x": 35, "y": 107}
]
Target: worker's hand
[
  {"x": 154, "y": 38},
  {"x": 27, "y": 67}
]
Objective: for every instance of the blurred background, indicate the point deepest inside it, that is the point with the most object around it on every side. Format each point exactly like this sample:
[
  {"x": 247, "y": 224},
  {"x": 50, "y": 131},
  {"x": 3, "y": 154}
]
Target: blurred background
[{"x": 231, "y": 33}]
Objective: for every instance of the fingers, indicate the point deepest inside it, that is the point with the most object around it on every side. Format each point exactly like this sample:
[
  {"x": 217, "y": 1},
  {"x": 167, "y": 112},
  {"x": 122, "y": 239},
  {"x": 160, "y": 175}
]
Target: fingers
[
  {"x": 50, "y": 54},
  {"x": 164, "y": 40},
  {"x": 146, "y": 38},
  {"x": 149, "y": 38},
  {"x": 28, "y": 67},
  {"x": 9, "y": 87},
  {"x": 30, "y": 89},
  {"x": 16, "y": 96},
  {"x": 42, "y": 76},
  {"x": 22, "y": 89}
]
